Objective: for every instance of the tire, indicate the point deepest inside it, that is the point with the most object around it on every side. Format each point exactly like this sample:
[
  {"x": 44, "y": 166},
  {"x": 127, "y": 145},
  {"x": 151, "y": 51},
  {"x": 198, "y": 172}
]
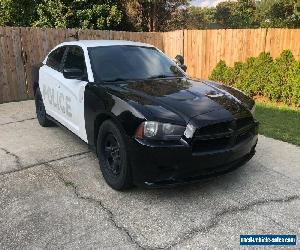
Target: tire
[
  {"x": 113, "y": 157},
  {"x": 41, "y": 111}
]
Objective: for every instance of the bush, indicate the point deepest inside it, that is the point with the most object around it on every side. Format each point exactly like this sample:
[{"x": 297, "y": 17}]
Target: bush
[
  {"x": 221, "y": 73},
  {"x": 278, "y": 80},
  {"x": 294, "y": 85}
]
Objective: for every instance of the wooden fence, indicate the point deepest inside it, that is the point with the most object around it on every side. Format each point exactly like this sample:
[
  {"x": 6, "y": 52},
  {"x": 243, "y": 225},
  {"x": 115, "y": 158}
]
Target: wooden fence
[{"x": 21, "y": 48}]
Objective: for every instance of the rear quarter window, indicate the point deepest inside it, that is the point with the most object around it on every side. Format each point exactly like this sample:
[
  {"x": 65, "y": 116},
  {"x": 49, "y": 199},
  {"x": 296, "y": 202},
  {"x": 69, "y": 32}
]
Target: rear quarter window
[
  {"x": 55, "y": 58},
  {"x": 75, "y": 59}
]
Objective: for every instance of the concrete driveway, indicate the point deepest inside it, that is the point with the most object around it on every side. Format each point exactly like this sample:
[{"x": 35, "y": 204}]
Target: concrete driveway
[{"x": 52, "y": 196}]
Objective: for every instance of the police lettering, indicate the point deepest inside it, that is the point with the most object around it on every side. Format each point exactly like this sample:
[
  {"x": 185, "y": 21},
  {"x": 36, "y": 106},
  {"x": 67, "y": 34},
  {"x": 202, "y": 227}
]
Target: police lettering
[{"x": 58, "y": 100}]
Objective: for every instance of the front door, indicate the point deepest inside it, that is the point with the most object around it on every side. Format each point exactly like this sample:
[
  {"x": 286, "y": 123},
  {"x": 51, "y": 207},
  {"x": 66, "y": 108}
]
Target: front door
[
  {"x": 49, "y": 79},
  {"x": 72, "y": 93}
]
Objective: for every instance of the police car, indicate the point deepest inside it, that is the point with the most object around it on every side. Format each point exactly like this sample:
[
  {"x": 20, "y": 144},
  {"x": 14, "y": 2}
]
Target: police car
[{"x": 149, "y": 123}]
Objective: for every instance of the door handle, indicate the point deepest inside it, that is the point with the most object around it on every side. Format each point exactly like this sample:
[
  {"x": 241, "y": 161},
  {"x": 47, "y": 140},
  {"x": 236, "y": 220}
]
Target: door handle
[{"x": 58, "y": 86}]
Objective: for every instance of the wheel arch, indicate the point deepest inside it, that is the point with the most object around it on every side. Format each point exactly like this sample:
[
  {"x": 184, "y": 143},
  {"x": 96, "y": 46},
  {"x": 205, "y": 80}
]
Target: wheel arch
[
  {"x": 35, "y": 87},
  {"x": 35, "y": 74},
  {"x": 102, "y": 117}
]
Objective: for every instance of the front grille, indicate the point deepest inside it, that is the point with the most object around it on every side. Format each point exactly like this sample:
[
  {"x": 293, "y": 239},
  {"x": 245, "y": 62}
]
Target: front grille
[
  {"x": 217, "y": 128},
  {"x": 223, "y": 135}
]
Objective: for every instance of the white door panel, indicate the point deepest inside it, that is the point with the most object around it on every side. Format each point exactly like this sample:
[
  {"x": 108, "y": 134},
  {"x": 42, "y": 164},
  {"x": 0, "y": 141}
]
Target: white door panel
[
  {"x": 73, "y": 91},
  {"x": 48, "y": 82},
  {"x": 63, "y": 99}
]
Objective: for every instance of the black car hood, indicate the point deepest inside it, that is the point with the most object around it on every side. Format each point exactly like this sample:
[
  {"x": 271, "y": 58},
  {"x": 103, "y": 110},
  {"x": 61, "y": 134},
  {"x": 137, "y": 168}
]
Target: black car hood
[{"x": 184, "y": 97}]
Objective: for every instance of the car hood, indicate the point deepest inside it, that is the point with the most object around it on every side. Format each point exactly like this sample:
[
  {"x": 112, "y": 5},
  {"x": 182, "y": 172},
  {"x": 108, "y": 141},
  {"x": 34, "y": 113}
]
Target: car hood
[{"x": 185, "y": 97}]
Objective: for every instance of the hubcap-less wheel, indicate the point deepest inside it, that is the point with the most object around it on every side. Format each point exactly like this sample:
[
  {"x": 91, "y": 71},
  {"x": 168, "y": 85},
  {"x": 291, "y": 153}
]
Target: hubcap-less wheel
[
  {"x": 112, "y": 155},
  {"x": 113, "y": 159}
]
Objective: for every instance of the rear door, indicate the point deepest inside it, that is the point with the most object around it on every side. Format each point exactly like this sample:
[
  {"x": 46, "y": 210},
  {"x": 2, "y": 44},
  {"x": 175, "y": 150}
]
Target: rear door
[
  {"x": 49, "y": 78},
  {"x": 73, "y": 92}
]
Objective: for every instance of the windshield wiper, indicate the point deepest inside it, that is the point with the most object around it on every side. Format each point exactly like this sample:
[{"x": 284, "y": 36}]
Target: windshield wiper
[
  {"x": 160, "y": 76},
  {"x": 119, "y": 79}
]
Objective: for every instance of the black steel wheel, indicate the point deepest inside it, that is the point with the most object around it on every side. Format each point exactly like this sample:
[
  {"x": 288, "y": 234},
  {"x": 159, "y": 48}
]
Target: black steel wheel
[
  {"x": 112, "y": 156},
  {"x": 41, "y": 111}
]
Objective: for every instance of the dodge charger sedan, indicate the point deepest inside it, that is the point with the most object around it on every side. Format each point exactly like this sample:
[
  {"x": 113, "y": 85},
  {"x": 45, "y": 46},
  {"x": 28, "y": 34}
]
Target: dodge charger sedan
[{"x": 149, "y": 123}]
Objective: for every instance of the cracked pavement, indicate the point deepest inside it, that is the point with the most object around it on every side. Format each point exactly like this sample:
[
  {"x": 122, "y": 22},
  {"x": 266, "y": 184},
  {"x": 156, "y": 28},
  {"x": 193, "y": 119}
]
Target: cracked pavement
[{"x": 52, "y": 196}]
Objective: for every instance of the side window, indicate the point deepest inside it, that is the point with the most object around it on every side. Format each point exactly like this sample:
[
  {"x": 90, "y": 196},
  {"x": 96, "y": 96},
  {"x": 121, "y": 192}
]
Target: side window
[
  {"x": 75, "y": 59},
  {"x": 55, "y": 58}
]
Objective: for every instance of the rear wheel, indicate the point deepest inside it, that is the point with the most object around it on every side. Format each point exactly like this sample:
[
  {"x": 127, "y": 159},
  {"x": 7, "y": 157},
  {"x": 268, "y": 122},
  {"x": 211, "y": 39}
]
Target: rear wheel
[
  {"x": 113, "y": 157},
  {"x": 41, "y": 111}
]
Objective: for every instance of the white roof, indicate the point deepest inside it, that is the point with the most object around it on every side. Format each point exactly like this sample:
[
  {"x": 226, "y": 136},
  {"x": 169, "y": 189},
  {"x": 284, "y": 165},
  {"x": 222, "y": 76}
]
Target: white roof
[{"x": 99, "y": 43}]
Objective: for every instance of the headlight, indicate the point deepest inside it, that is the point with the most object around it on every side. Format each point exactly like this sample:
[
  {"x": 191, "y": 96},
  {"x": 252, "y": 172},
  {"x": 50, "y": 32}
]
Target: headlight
[{"x": 159, "y": 131}]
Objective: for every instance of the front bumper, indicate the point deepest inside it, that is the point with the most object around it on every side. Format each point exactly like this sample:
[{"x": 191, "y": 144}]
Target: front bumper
[{"x": 159, "y": 165}]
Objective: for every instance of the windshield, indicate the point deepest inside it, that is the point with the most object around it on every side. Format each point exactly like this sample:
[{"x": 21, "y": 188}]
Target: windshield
[{"x": 117, "y": 63}]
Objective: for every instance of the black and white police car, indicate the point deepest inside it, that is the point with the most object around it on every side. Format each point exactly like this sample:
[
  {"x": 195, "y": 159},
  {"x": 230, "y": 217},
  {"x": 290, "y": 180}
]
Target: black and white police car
[{"x": 149, "y": 123}]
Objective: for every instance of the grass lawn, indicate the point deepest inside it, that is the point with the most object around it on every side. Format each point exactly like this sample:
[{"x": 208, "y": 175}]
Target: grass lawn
[{"x": 279, "y": 122}]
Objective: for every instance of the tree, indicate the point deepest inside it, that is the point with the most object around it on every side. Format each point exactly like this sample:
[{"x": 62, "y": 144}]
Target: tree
[
  {"x": 149, "y": 15},
  {"x": 279, "y": 13},
  {"x": 18, "y": 13},
  {"x": 201, "y": 18},
  {"x": 152, "y": 15},
  {"x": 90, "y": 14},
  {"x": 240, "y": 14},
  {"x": 224, "y": 13}
]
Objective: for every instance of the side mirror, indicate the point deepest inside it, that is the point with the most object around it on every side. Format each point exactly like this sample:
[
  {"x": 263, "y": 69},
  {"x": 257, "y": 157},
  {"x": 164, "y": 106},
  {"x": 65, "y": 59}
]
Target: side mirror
[
  {"x": 183, "y": 67},
  {"x": 73, "y": 73},
  {"x": 180, "y": 62},
  {"x": 179, "y": 59}
]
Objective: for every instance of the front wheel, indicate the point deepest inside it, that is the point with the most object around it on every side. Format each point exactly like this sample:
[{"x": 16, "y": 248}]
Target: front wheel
[{"x": 113, "y": 158}]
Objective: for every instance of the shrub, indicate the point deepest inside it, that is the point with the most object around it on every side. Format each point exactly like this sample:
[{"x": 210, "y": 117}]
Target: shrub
[
  {"x": 294, "y": 84},
  {"x": 279, "y": 88},
  {"x": 221, "y": 73},
  {"x": 278, "y": 79}
]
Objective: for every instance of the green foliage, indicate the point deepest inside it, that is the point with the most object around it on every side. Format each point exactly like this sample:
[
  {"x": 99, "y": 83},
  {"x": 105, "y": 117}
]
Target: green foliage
[
  {"x": 253, "y": 74},
  {"x": 200, "y": 18},
  {"x": 294, "y": 81},
  {"x": 52, "y": 13},
  {"x": 279, "y": 86},
  {"x": 241, "y": 14},
  {"x": 222, "y": 73},
  {"x": 156, "y": 15},
  {"x": 278, "y": 80},
  {"x": 78, "y": 14},
  {"x": 238, "y": 14},
  {"x": 93, "y": 14},
  {"x": 279, "y": 13},
  {"x": 18, "y": 13},
  {"x": 149, "y": 15}
]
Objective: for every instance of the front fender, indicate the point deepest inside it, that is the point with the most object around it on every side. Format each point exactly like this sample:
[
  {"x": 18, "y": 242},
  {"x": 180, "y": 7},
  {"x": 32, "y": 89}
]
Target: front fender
[{"x": 101, "y": 105}]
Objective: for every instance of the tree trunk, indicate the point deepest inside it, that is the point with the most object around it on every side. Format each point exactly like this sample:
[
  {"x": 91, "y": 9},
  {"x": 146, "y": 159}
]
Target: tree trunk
[{"x": 151, "y": 21}]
